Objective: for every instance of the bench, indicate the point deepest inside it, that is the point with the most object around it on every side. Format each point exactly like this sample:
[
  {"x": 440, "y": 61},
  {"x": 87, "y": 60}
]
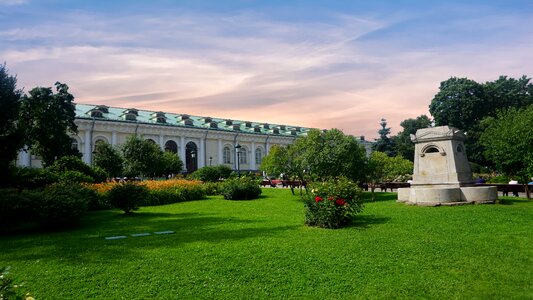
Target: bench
[
  {"x": 508, "y": 188},
  {"x": 393, "y": 185}
]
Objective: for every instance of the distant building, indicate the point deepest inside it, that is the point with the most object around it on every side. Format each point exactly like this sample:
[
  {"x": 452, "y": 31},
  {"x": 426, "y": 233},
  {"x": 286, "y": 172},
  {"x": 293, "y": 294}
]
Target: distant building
[{"x": 198, "y": 141}]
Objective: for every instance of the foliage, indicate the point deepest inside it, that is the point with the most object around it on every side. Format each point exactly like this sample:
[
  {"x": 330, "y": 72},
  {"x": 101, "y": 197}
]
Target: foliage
[
  {"x": 508, "y": 142},
  {"x": 212, "y": 174},
  {"x": 333, "y": 203},
  {"x": 72, "y": 168},
  {"x": 16, "y": 207},
  {"x": 172, "y": 191},
  {"x": 463, "y": 103},
  {"x": 109, "y": 159},
  {"x": 383, "y": 168},
  {"x": 141, "y": 157},
  {"x": 30, "y": 178},
  {"x": 11, "y": 135},
  {"x": 241, "y": 188},
  {"x": 403, "y": 144},
  {"x": 171, "y": 164},
  {"x": 62, "y": 205},
  {"x": 384, "y": 143},
  {"x": 212, "y": 188},
  {"x": 47, "y": 119},
  {"x": 9, "y": 289},
  {"x": 128, "y": 196},
  {"x": 499, "y": 179}
]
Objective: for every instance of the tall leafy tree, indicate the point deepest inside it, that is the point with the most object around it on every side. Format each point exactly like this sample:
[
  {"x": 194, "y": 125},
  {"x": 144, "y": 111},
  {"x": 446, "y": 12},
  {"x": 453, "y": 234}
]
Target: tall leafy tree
[
  {"x": 141, "y": 157},
  {"x": 171, "y": 164},
  {"x": 11, "y": 135},
  {"x": 384, "y": 144},
  {"x": 109, "y": 159},
  {"x": 47, "y": 119},
  {"x": 383, "y": 168},
  {"x": 508, "y": 142},
  {"x": 403, "y": 144},
  {"x": 331, "y": 153}
]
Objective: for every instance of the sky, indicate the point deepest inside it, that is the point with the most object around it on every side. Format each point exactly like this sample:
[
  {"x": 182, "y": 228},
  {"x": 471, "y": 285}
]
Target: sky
[{"x": 321, "y": 64}]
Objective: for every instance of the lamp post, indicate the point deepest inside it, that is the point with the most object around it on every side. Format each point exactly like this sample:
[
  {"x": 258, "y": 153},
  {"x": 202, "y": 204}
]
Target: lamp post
[
  {"x": 210, "y": 160},
  {"x": 237, "y": 152}
]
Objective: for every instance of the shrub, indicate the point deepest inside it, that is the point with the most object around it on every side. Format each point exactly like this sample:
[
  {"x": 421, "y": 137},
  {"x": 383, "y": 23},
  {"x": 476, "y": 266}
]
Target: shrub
[
  {"x": 71, "y": 164},
  {"x": 62, "y": 204},
  {"x": 332, "y": 204},
  {"x": 499, "y": 179},
  {"x": 29, "y": 178},
  {"x": 242, "y": 188},
  {"x": 16, "y": 207},
  {"x": 128, "y": 196},
  {"x": 212, "y": 174},
  {"x": 212, "y": 188},
  {"x": 67, "y": 177}
]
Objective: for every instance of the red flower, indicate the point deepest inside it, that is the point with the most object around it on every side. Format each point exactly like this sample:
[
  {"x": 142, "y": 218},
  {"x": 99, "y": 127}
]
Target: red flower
[
  {"x": 318, "y": 199},
  {"x": 340, "y": 202},
  {"x": 331, "y": 199}
]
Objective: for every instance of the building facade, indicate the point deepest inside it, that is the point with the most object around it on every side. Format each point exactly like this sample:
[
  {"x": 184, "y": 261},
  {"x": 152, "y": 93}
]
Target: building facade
[{"x": 198, "y": 141}]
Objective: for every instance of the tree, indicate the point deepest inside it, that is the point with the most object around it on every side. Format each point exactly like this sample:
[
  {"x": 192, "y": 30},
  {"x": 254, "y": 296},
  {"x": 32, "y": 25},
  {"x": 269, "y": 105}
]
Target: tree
[
  {"x": 383, "y": 168},
  {"x": 47, "y": 119},
  {"x": 384, "y": 143},
  {"x": 171, "y": 164},
  {"x": 508, "y": 142},
  {"x": 330, "y": 153},
  {"x": 142, "y": 158},
  {"x": 11, "y": 135},
  {"x": 404, "y": 146},
  {"x": 463, "y": 103},
  {"x": 109, "y": 159}
]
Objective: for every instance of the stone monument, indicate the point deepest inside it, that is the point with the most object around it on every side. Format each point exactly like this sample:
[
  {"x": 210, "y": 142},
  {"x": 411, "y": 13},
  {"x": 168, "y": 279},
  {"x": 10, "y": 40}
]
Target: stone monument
[{"x": 441, "y": 174}]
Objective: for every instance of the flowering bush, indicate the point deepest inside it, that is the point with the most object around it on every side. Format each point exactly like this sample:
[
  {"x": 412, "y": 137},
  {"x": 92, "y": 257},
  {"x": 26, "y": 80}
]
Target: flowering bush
[{"x": 333, "y": 203}]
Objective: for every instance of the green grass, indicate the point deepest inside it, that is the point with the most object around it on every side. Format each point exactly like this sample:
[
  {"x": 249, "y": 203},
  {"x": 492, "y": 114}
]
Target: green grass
[{"x": 261, "y": 249}]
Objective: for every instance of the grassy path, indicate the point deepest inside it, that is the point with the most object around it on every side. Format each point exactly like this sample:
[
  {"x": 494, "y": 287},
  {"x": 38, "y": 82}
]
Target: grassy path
[{"x": 261, "y": 249}]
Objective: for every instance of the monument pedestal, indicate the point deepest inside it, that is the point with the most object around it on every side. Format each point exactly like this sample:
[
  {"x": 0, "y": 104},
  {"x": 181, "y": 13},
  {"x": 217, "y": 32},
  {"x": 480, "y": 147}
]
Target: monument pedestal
[{"x": 442, "y": 174}]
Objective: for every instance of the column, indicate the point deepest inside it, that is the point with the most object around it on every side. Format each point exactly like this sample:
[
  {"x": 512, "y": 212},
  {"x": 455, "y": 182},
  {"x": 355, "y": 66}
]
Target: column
[
  {"x": 252, "y": 155},
  {"x": 113, "y": 138},
  {"x": 161, "y": 141},
  {"x": 201, "y": 153},
  {"x": 87, "y": 148},
  {"x": 220, "y": 155},
  {"x": 182, "y": 149}
]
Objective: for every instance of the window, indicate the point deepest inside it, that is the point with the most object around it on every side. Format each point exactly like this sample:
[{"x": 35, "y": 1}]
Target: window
[
  {"x": 171, "y": 146},
  {"x": 258, "y": 156},
  {"x": 74, "y": 144},
  {"x": 243, "y": 156},
  {"x": 431, "y": 150},
  {"x": 226, "y": 155}
]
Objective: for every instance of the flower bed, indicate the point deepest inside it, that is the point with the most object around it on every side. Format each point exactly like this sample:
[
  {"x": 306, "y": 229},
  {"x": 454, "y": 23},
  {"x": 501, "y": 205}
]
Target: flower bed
[{"x": 332, "y": 204}]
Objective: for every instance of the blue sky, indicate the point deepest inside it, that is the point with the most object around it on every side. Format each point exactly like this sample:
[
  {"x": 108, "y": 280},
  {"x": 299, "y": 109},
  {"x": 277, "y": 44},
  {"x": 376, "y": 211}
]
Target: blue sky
[{"x": 324, "y": 64}]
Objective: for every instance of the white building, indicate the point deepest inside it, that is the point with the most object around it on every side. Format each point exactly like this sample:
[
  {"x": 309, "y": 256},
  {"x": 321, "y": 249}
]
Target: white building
[{"x": 198, "y": 141}]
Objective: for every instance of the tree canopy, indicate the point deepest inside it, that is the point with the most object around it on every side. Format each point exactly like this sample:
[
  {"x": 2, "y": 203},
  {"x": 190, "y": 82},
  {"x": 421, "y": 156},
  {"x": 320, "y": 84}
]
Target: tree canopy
[
  {"x": 403, "y": 144},
  {"x": 109, "y": 159},
  {"x": 384, "y": 144},
  {"x": 47, "y": 119},
  {"x": 11, "y": 135},
  {"x": 318, "y": 156},
  {"x": 508, "y": 142}
]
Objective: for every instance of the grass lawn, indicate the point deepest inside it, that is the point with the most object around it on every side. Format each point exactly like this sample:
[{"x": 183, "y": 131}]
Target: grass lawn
[{"x": 261, "y": 249}]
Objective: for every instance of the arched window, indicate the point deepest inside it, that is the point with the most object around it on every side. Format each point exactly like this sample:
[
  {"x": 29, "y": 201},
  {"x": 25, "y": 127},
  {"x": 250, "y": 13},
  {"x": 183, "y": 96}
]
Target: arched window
[
  {"x": 171, "y": 146},
  {"x": 459, "y": 148},
  {"x": 258, "y": 156},
  {"x": 432, "y": 150},
  {"x": 243, "y": 156},
  {"x": 226, "y": 155},
  {"x": 151, "y": 141}
]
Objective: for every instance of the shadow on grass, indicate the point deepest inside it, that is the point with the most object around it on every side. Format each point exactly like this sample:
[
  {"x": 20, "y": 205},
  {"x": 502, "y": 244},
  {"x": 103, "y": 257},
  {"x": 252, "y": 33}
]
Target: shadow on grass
[
  {"x": 367, "y": 221},
  {"x": 89, "y": 245}
]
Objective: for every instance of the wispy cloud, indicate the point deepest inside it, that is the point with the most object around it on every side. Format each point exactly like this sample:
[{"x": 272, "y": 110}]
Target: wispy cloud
[
  {"x": 345, "y": 71},
  {"x": 12, "y": 2}
]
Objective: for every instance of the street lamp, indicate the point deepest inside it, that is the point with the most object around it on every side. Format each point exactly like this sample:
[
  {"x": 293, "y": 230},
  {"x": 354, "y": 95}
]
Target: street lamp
[
  {"x": 237, "y": 152},
  {"x": 193, "y": 161},
  {"x": 210, "y": 160}
]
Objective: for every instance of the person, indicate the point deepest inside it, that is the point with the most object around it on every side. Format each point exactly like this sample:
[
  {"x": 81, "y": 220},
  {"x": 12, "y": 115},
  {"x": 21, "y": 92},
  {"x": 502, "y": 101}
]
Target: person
[
  {"x": 480, "y": 180},
  {"x": 512, "y": 181},
  {"x": 531, "y": 182}
]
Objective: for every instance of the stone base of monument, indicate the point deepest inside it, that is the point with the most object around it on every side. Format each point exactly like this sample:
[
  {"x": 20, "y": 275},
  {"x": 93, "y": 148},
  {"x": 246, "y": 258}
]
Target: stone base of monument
[{"x": 436, "y": 196}]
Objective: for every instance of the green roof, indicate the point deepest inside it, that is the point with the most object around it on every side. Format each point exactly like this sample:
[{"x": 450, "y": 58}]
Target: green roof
[{"x": 132, "y": 115}]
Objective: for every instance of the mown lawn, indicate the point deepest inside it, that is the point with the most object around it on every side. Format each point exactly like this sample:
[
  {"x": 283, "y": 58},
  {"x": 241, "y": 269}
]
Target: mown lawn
[{"x": 261, "y": 249}]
